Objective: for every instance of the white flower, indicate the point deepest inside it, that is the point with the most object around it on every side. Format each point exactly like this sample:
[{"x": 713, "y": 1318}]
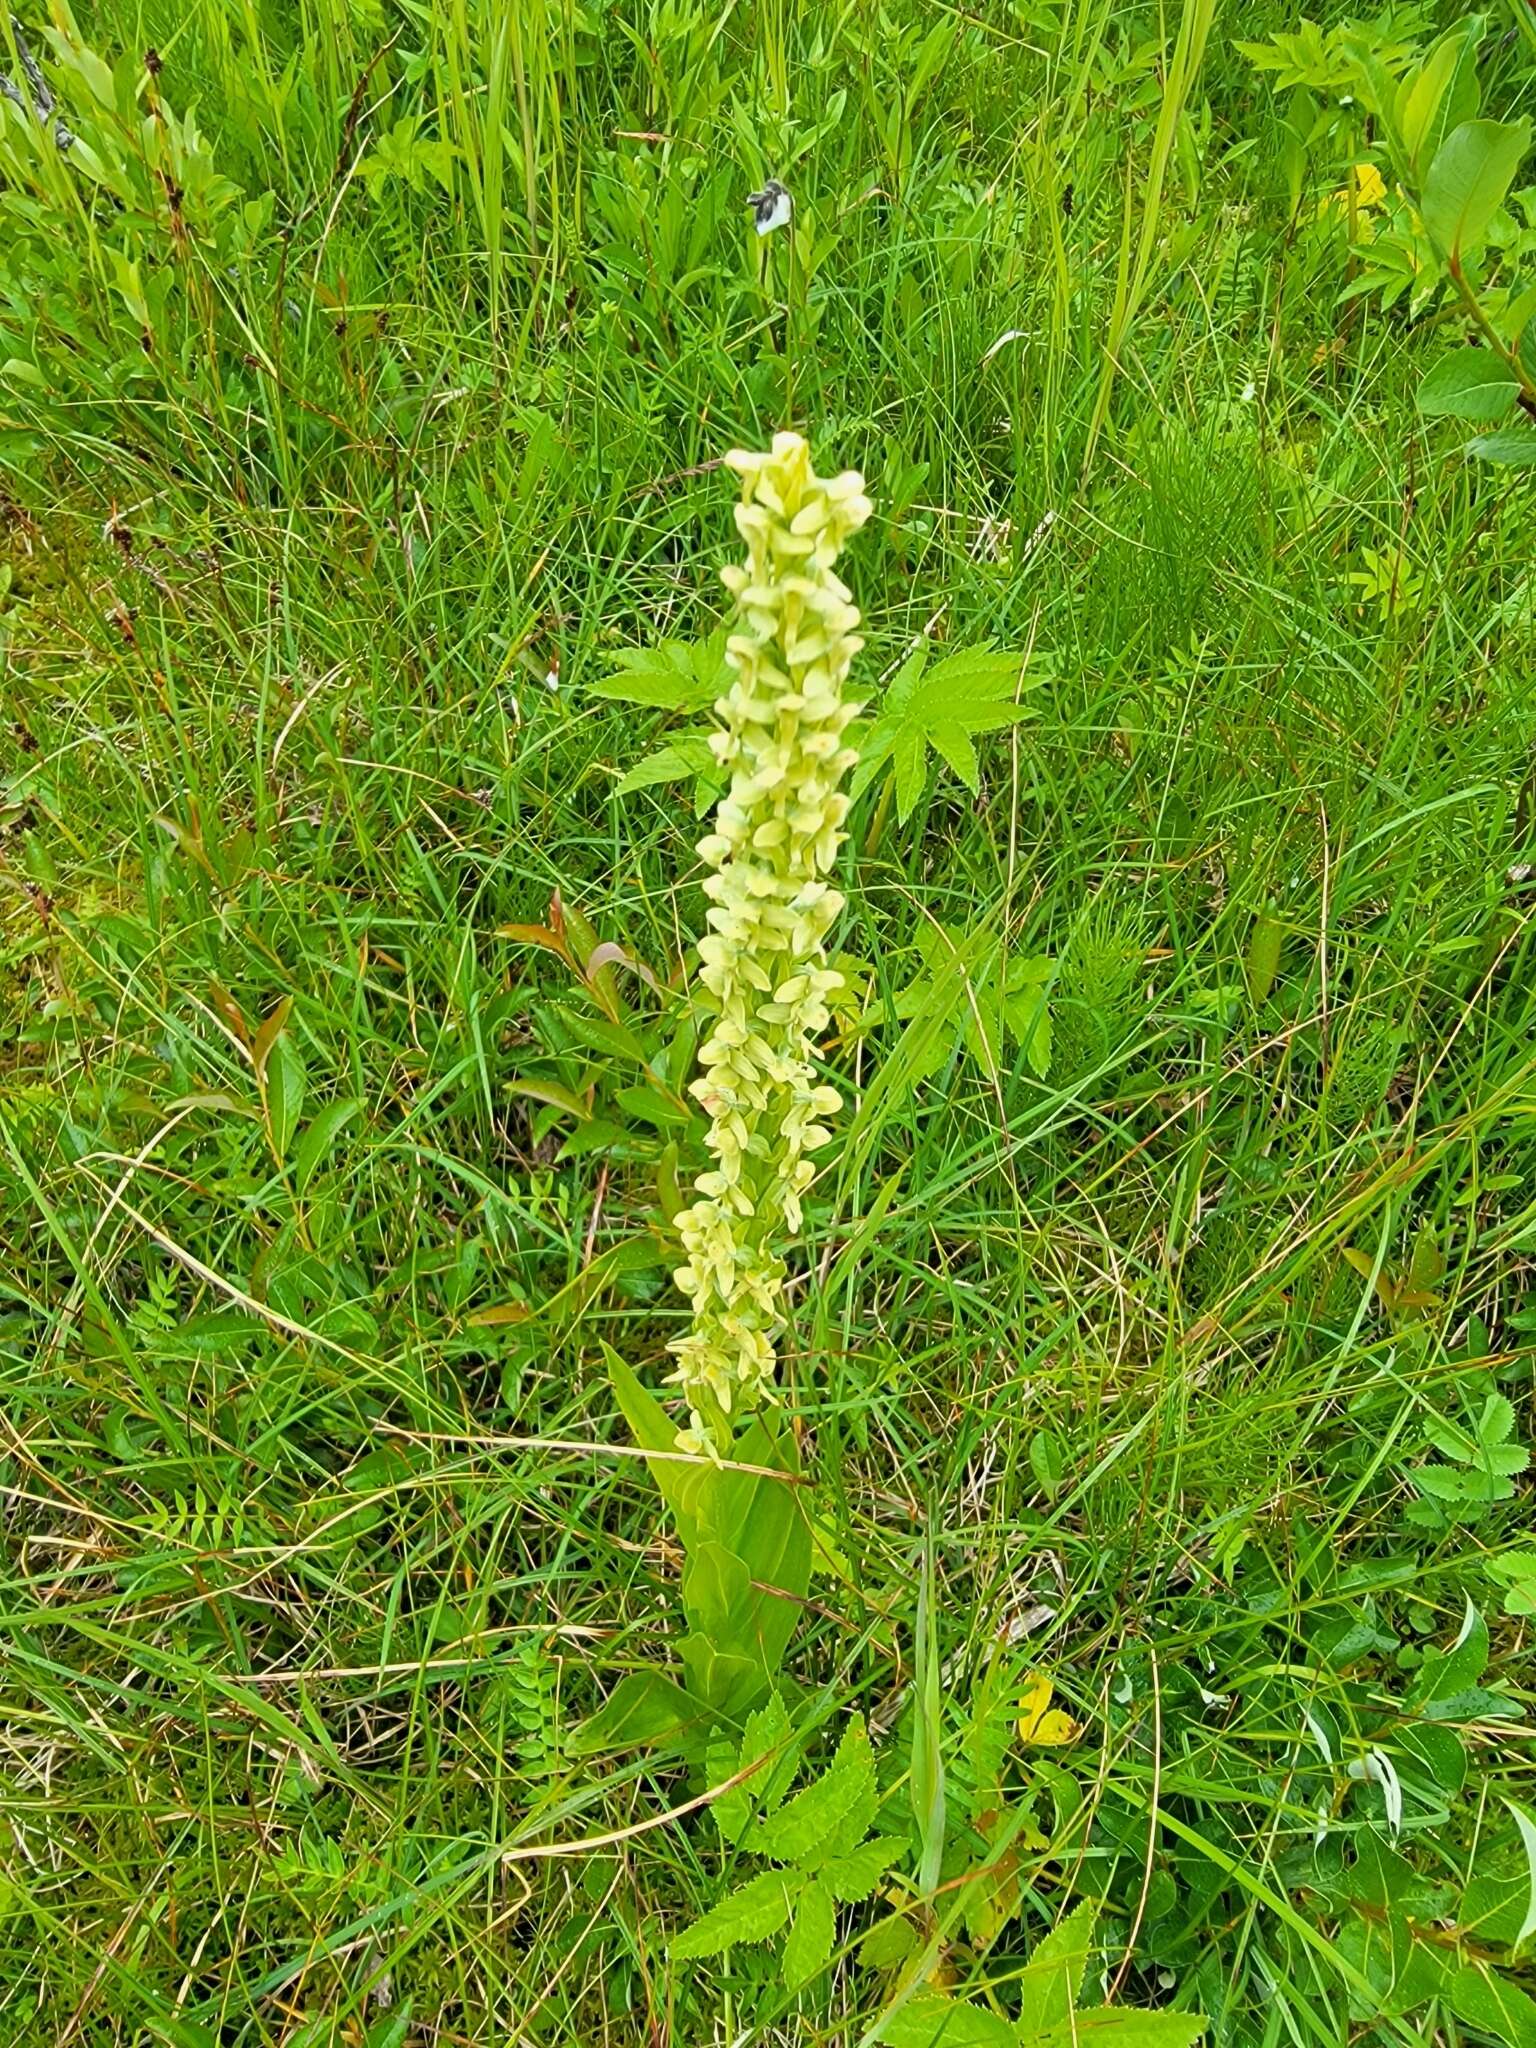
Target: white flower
[
  {"x": 771, "y": 208},
  {"x": 776, "y": 834}
]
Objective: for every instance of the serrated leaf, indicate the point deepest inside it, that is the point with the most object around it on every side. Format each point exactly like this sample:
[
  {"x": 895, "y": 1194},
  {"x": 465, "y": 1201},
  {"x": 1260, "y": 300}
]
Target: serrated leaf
[
  {"x": 767, "y": 1735},
  {"x": 1052, "y": 1980},
  {"x": 854, "y": 1876},
  {"x": 808, "y": 1826},
  {"x": 957, "y": 748},
  {"x": 809, "y": 1941},
  {"x": 941, "y": 705},
  {"x": 1516, "y": 1571},
  {"x": 1123, "y": 2026},
  {"x": 929, "y": 2021},
  {"x": 1455, "y": 1483},
  {"x": 1496, "y": 1421},
  {"x": 754, "y": 1912},
  {"x": 676, "y": 675},
  {"x": 687, "y": 758}
]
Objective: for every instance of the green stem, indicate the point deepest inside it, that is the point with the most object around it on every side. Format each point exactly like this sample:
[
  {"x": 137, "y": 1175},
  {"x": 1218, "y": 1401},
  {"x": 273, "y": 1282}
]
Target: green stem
[{"x": 1490, "y": 333}]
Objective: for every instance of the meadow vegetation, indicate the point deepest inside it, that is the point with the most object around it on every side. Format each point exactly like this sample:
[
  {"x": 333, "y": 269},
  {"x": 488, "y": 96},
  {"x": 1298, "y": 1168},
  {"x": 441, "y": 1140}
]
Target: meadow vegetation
[{"x": 1157, "y": 1374}]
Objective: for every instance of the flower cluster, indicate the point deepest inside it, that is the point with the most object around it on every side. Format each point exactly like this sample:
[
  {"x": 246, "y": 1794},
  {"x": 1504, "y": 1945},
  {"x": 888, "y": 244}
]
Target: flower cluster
[{"x": 764, "y": 961}]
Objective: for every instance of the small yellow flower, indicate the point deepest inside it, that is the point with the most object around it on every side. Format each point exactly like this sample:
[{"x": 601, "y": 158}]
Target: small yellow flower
[
  {"x": 1369, "y": 189},
  {"x": 1370, "y": 186}
]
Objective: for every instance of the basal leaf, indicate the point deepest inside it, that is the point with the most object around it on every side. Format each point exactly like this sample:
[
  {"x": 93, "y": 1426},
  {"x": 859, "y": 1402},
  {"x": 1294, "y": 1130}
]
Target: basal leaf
[
  {"x": 645, "y": 1708},
  {"x": 678, "y": 1479}
]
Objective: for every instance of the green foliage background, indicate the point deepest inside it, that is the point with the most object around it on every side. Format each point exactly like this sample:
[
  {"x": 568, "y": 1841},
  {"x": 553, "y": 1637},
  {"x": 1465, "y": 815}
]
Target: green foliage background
[{"x": 364, "y": 370}]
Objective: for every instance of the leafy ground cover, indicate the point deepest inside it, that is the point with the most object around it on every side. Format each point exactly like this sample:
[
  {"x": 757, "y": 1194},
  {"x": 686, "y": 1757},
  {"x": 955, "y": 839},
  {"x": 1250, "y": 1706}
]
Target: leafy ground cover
[{"x": 1161, "y": 1350}]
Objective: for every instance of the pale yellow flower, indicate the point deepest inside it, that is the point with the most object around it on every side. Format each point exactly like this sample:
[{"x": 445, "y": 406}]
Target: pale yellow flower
[{"x": 776, "y": 834}]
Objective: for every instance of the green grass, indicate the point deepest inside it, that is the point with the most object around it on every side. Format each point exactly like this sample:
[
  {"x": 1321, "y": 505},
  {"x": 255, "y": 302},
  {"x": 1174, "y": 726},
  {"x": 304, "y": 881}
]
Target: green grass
[{"x": 321, "y": 1535}]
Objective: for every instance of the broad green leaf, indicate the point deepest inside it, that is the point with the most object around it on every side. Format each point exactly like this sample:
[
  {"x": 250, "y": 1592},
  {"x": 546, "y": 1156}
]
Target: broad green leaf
[
  {"x": 392, "y": 2029},
  {"x": 1484, "y": 1999},
  {"x": 1439, "y": 1750},
  {"x": 1468, "y": 384},
  {"x": 717, "y": 1596},
  {"x": 1440, "y": 95},
  {"x": 1052, "y": 1980},
  {"x": 929, "y": 2021},
  {"x": 754, "y": 1912},
  {"x": 1447, "y": 1674},
  {"x": 764, "y": 1521},
  {"x": 1403, "y": 1970},
  {"x": 1510, "y": 448},
  {"x": 1527, "y": 1828},
  {"x": 285, "y": 1092},
  {"x": 653, "y": 1429},
  {"x": 1048, "y": 1461},
  {"x": 319, "y": 1139},
  {"x": 890, "y": 1943},
  {"x": 677, "y": 675},
  {"x": 809, "y": 1941},
  {"x": 1466, "y": 183},
  {"x": 646, "y": 1707},
  {"x": 727, "y": 1680}
]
